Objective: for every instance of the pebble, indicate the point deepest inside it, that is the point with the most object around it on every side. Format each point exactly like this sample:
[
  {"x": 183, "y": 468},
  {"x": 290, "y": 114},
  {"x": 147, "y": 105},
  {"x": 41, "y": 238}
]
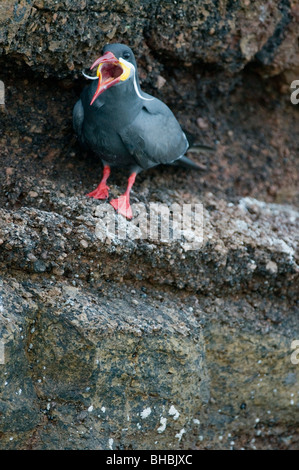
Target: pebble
[
  {"x": 84, "y": 243},
  {"x": 33, "y": 194}
]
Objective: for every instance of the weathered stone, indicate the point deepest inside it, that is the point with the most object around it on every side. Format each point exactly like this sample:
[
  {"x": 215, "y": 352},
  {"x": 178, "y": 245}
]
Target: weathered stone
[
  {"x": 19, "y": 408},
  {"x": 197, "y": 345},
  {"x": 121, "y": 364},
  {"x": 107, "y": 364},
  {"x": 62, "y": 37},
  {"x": 255, "y": 349},
  {"x": 87, "y": 368},
  {"x": 237, "y": 250}
]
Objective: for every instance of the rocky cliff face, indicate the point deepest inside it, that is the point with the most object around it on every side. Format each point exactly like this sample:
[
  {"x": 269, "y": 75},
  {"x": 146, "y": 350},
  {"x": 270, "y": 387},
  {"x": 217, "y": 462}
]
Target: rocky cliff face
[
  {"x": 145, "y": 342},
  {"x": 62, "y": 36}
]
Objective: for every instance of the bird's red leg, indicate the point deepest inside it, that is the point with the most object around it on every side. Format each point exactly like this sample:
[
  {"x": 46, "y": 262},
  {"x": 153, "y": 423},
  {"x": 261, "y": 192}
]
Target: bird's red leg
[
  {"x": 122, "y": 203},
  {"x": 102, "y": 191}
]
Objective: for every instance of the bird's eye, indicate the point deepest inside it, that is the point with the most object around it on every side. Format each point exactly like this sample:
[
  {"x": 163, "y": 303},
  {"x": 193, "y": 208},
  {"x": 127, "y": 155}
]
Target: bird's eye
[{"x": 126, "y": 55}]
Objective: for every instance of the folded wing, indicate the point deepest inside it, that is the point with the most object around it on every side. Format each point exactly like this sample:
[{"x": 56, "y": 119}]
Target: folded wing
[{"x": 155, "y": 136}]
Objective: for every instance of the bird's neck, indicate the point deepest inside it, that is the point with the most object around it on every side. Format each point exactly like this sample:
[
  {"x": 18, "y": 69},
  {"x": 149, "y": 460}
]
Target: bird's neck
[
  {"x": 119, "y": 97},
  {"x": 124, "y": 92}
]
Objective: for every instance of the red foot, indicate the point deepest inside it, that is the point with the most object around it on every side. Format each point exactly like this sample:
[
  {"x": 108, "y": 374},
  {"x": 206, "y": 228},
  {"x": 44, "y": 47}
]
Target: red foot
[
  {"x": 122, "y": 206},
  {"x": 101, "y": 192}
]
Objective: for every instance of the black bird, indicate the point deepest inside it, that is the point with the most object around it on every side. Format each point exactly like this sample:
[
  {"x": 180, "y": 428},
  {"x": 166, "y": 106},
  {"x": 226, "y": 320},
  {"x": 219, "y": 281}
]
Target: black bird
[{"x": 124, "y": 126}]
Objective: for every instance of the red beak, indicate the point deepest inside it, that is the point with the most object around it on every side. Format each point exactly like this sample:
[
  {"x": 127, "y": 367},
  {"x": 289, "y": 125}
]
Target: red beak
[{"x": 109, "y": 72}]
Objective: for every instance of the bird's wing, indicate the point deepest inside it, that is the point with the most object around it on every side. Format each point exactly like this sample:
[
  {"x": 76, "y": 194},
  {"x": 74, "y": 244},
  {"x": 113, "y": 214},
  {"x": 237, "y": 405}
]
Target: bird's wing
[
  {"x": 155, "y": 136},
  {"x": 78, "y": 118}
]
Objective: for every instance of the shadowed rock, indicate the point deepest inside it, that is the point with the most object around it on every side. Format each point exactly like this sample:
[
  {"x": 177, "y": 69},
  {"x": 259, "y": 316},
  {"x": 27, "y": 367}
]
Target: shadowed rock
[{"x": 62, "y": 37}]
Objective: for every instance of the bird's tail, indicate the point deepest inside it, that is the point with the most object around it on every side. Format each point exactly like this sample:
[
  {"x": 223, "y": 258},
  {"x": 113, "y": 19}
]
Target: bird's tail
[{"x": 187, "y": 163}]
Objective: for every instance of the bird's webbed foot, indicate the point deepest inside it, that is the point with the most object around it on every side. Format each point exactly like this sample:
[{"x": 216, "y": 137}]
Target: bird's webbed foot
[
  {"x": 101, "y": 192},
  {"x": 122, "y": 206}
]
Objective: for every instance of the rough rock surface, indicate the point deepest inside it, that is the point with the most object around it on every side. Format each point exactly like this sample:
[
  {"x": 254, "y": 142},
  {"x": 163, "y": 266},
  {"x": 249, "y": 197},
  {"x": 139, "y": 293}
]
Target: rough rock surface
[
  {"x": 86, "y": 369},
  {"x": 150, "y": 343},
  {"x": 92, "y": 363},
  {"x": 248, "y": 253},
  {"x": 62, "y": 36}
]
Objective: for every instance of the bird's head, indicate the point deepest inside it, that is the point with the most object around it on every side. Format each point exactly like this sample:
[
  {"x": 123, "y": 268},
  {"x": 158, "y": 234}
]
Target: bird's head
[{"x": 115, "y": 66}]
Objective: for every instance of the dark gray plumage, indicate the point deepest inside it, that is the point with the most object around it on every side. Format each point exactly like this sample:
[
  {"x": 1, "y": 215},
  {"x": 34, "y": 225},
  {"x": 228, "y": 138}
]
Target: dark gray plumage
[{"x": 124, "y": 126}]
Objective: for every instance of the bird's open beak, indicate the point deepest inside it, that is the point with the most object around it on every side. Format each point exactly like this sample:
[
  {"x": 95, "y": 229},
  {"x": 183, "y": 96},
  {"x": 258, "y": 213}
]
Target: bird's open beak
[{"x": 110, "y": 71}]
